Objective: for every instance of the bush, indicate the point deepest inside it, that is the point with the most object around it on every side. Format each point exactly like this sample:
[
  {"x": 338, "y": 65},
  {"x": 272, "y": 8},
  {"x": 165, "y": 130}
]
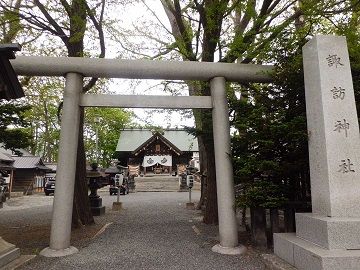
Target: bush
[{"x": 261, "y": 194}]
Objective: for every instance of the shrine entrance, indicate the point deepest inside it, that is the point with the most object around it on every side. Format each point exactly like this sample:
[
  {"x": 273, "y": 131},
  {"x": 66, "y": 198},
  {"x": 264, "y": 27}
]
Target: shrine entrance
[
  {"x": 156, "y": 152},
  {"x": 75, "y": 69}
]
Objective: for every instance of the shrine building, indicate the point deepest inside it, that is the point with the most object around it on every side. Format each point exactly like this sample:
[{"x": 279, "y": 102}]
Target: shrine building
[{"x": 157, "y": 152}]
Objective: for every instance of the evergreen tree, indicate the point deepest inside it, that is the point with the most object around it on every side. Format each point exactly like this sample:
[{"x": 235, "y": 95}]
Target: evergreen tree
[
  {"x": 271, "y": 138},
  {"x": 13, "y": 132}
]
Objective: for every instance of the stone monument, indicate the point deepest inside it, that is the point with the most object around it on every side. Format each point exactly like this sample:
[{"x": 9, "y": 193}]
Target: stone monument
[{"x": 329, "y": 237}]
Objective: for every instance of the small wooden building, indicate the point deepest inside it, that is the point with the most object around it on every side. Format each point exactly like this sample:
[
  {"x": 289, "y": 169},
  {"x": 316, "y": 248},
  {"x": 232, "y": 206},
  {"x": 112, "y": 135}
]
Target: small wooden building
[
  {"x": 158, "y": 152},
  {"x": 29, "y": 174}
]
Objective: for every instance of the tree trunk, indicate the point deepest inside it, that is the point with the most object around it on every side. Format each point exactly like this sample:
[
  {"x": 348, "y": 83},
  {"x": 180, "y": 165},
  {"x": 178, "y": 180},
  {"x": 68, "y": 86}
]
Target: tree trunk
[
  {"x": 206, "y": 144},
  {"x": 211, "y": 209},
  {"x": 212, "y": 28},
  {"x": 202, "y": 159},
  {"x": 81, "y": 206}
]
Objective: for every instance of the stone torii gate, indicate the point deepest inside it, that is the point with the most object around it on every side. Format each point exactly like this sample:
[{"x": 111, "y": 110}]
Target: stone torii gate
[{"x": 75, "y": 69}]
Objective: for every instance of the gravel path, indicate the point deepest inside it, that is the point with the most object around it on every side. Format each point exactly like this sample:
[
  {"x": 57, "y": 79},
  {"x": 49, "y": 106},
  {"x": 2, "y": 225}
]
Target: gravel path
[
  {"x": 35, "y": 209},
  {"x": 154, "y": 231}
]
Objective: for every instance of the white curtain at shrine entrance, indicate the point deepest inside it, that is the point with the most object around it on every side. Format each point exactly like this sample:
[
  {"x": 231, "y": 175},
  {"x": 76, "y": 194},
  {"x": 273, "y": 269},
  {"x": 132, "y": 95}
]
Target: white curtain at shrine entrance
[{"x": 153, "y": 160}]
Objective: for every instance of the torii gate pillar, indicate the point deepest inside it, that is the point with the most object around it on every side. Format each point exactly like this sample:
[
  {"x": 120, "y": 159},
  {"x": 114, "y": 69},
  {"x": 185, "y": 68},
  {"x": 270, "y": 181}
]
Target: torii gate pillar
[
  {"x": 65, "y": 176},
  {"x": 228, "y": 231}
]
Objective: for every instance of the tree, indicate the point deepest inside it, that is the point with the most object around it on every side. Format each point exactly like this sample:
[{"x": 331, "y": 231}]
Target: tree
[
  {"x": 70, "y": 23},
  {"x": 13, "y": 132},
  {"x": 228, "y": 31},
  {"x": 13, "y": 124},
  {"x": 44, "y": 94},
  {"x": 105, "y": 124},
  {"x": 271, "y": 139}
]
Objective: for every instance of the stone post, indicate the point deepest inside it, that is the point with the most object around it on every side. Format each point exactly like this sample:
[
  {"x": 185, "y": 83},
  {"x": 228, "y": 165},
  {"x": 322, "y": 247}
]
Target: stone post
[
  {"x": 228, "y": 230},
  {"x": 328, "y": 238},
  {"x": 65, "y": 176}
]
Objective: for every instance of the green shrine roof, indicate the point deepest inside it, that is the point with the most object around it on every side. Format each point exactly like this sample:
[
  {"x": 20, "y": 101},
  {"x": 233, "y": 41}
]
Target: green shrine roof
[{"x": 131, "y": 139}]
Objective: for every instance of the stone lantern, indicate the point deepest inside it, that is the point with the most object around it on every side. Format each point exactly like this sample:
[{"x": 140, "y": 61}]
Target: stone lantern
[{"x": 94, "y": 178}]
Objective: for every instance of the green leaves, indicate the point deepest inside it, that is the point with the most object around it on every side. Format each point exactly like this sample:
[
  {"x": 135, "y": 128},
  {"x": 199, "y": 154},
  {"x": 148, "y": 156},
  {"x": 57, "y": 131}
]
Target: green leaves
[
  {"x": 13, "y": 132},
  {"x": 103, "y": 125},
  {"x": 271, "y": 137},
  {"x": 261, "y": 193}
]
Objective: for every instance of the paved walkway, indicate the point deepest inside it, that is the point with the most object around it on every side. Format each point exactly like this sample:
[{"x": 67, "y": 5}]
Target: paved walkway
[
  {"x": 154, "y": 231},
  {"x": 159, "y": 183}
]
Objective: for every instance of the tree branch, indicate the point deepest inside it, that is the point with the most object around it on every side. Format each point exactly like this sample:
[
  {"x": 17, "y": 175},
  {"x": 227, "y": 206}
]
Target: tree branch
[
  {"x": 179, "y": 30},
  {"x": 156, "y": 17},
  {"x": 98, "y": 26},
  {"x": 59, "y": 30},
  {"x": 272, "y": 36},
  {"x": 66, "y": 6}
]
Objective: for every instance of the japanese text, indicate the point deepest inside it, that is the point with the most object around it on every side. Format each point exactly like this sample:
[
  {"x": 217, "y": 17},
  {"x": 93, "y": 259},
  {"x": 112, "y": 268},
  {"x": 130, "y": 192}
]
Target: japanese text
[
  {"x": 334, "y": 60},
  {"x": 338, "y": 92},
  {"x": 346, "y": 166},
  {"x": 342, "y": 125}
]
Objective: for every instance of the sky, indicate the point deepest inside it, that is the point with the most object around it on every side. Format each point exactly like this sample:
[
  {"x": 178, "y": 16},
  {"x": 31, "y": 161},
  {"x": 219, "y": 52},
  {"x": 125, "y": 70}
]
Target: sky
[
  {"x": 130, "y": 16},
  {"x": 157, "y": 117},
  {"x": 133, "y": 15}
]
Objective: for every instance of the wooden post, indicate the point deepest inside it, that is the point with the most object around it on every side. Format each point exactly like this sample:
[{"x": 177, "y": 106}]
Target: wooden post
[
  {"x": 11, "y": 182},
  {"x": 289, "y": 218},
  {"x": 274, "y": 223},
  {"x": 258, "y": 226}
]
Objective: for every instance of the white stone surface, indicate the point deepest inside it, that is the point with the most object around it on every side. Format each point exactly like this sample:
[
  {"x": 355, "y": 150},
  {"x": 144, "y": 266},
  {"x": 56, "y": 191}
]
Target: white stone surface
[
  {"x": 330, "y": 98},
  {"x": 65, "y": 176},
  {"x": 140, "y": 69},
  {"x": 330, "y": 233},
  {"x": 146, "y": 101},
  {"x": 8, "y": 252},
  {"x": 328, "y": 239},
  {"x": 9, "y": 256},
  {"x": 228, "y": 229},
  {"x": 51, "y": 253},
  {"x": 344, "y": 263},
  {"x": 283, "y": 248},
  {"x": 307, "y": 256},
  {"x": 304, "y": 258},
  {"x": 229, "y": 250},
  {"x": 5, "y": 246}
]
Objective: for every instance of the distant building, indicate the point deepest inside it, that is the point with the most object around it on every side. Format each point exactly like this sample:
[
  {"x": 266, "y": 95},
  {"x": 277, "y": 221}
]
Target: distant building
[
  {"x": 6, "y": 167},
  {"x": 51, "y": 173},
  {"x": 156, "y": 151},
  {"x": 26, "y": 172},
  {"x": 6, "y": 162},
  {"x": 29, "y": 174}
]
